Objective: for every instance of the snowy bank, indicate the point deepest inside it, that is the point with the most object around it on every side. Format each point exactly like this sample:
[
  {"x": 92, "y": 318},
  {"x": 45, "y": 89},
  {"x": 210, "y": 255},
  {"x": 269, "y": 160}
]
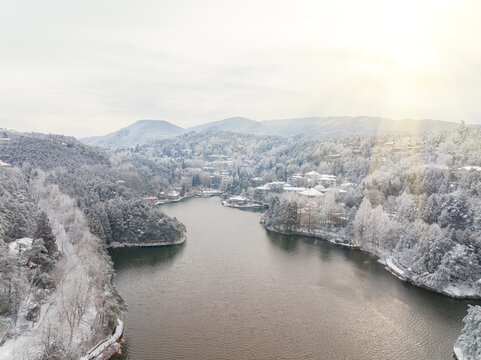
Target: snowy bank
[
  {"x": 399, "y": 271},
  {"x": 468, "y": 345},
  {"x": 328, "y": 236},
  {"x": 395, "y": 269},
  {"x": 98, "y": 349},
  {"x": 458, "y": 353},
  {"x": 453, "y": 291},
  {"x": 116, "y": 245}
]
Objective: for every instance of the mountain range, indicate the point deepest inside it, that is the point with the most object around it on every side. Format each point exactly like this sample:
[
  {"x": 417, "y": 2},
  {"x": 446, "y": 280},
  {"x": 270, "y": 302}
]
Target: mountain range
[{"x": 144, "y": 131}]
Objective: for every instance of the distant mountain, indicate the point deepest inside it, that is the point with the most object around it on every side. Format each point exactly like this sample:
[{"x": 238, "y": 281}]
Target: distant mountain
[
  {"x": 140, "y": 132},
  {"x": 235, "y": 124},
  {"x": 326, "y": 127},
  {"x": 340, "y": 126},
  {"x": 144, "y": 131}
]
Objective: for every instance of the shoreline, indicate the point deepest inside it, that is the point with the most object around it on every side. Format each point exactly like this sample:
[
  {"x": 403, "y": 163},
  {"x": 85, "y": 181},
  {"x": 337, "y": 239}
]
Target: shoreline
[
  {"x": 393, "y": 270},
  {"x": 331, "y": 237},
  {"x": 313, "y": 235},
  {"x": 458, "y": 353},
  {"x": 111, "y": 342},
  {"x": 147, "y": 245}
]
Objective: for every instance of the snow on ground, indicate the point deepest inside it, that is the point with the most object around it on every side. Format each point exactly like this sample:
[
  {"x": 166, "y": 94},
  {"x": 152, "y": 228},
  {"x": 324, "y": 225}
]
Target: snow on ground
[
  {"x": 459, "y": 353},
  {"x": 20, "y": 245},
  {"x": 8, "y": 350},
  {"x": 68, "y": 225},
  {"x": 24, "y": 346},
  {"x": 460, "y": 290},
  {"x": 100, "y": 347},
  {"x": 391, "y": 265}
]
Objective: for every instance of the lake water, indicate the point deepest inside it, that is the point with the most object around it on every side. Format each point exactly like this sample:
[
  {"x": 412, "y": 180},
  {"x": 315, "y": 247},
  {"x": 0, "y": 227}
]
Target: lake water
[{"x": 236, "y": 291}]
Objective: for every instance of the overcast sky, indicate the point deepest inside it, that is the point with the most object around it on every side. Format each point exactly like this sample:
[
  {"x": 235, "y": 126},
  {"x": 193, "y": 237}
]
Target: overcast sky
[{"x": 91, "y": 67}]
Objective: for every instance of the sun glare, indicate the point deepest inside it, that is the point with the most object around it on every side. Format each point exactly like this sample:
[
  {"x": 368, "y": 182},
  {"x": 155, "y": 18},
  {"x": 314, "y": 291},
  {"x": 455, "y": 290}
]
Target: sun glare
[{"x": 398, "y": 35}]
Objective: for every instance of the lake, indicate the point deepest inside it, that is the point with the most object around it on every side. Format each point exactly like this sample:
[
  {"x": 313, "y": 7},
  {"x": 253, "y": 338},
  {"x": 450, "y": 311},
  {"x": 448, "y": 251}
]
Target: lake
[{"x": 237, "y": 291}]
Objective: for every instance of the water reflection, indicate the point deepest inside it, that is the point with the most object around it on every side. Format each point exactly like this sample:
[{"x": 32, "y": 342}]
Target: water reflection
[
  {"x": 126, "y": 258},
  {"x": 286, "y": 242},
  {"x": 235, "y": 291}
]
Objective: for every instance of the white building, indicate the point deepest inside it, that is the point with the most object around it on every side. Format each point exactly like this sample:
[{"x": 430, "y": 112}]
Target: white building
[
  {"x": 276, "y": 186},
  {"x": 320, "y": 188},
  {"x": 298, "y": 180},
  {"x": 328, "y": 180},
  {"x": 311, "y": 193}
]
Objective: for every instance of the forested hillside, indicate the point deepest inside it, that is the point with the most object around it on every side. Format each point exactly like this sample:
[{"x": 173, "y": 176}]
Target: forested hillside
[
  {"x": 411, "y": 200},
  {"x": 108, "y": 188},
  {"x": 414, "y": 202},
  {"x": 61, "y": 203},
  {"x": 424, "y": 211},
  {"x": 468, "y": 345}
]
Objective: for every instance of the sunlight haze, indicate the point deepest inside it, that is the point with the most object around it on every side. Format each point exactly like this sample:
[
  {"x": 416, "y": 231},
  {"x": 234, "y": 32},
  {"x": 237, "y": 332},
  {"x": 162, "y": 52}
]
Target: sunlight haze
[{"x": 89, "y": 68}]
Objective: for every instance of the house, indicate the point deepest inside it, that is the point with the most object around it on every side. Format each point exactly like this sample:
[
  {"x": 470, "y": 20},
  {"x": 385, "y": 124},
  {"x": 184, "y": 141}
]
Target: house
[
  {"x": 328, "y": 180},
  {"x": 263, "y": 188},
  {"x": 312, "y": 177},
  {"x": 276, "y": 186},
  {"x": 312, "y": 174},
  {"x": 311, "y": 193},
  {"x": 217, "y": 178},
  {"x": 257, "y": 181},
  {"x": 237, "y": 200},
  {"x": 149, "y": 197},
  {"x": 320, "y": 188},
  {"x": 298, "y": 180},
  {"x": 173, "y": 195}
]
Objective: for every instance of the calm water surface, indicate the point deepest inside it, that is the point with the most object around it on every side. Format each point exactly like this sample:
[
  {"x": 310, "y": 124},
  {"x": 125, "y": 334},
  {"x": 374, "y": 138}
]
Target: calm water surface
[{"x": 236, "y": 291}]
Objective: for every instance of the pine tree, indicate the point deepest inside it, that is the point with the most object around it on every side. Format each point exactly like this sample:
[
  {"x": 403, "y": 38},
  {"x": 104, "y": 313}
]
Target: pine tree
[{"x": 44, "y": 231}]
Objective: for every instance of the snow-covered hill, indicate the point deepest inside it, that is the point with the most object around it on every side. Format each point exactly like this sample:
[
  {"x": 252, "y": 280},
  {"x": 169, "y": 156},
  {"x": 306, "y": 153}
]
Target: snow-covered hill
[
  {"x": 140, "y": 132},
  {"x": 322, "y": 128}
]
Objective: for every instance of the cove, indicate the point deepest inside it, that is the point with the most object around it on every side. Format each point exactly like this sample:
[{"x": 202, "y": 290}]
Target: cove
[{"x": 237, "y": 291}]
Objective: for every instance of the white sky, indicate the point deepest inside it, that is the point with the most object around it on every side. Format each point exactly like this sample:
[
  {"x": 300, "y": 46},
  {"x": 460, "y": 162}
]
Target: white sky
[{"x": 83, "y": 67}]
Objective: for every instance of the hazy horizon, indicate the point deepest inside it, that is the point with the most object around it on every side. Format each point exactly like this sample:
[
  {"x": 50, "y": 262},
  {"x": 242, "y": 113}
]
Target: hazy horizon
[
  {"x": 204, "y": 123},
  {"x": 91, "y": 68}
]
